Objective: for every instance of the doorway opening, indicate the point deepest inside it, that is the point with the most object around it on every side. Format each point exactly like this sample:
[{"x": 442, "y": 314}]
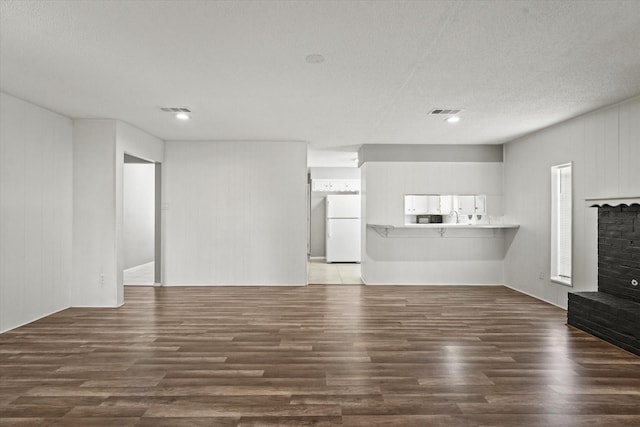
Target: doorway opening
[
  {"x": 334, "y": 225},
  {"x": 141, "y": 222}
]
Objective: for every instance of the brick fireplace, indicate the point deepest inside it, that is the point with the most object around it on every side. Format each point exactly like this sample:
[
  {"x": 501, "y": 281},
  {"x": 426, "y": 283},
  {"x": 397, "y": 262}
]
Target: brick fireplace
[{"x": 613, "y": 313}]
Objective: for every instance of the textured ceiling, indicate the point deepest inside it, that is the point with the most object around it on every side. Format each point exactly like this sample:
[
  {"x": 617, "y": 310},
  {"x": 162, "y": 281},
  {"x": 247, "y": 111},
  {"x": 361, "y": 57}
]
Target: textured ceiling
[{"x": 240, "y": 65}]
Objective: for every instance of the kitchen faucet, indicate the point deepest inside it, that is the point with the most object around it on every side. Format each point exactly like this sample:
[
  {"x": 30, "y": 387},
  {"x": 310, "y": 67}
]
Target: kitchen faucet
[{"x": 455, "y": 212}]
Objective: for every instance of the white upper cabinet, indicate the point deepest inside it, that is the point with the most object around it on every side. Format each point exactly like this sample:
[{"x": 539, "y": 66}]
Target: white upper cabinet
[
  {"x": 352, "y": 185},
  {"x": 420, "y": 204},
  {"x": 321, "y": 185},
  {"x": 423, "y": 204},
  {"x": 481, "y": 204},
  {"x": 416, "y": 204},
  {"x": 465, "y": 205},
  {"x": 444, "y": 204},
  {"x": 410, "y": 204},
  {"x": 472, "y": 204},
  {"x": 336, "y": 185},
  {"x": 433, "y": 205}
]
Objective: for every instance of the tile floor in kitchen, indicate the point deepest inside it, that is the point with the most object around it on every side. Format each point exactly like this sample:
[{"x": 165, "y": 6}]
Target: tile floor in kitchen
[{"x": 320, "y": 273}]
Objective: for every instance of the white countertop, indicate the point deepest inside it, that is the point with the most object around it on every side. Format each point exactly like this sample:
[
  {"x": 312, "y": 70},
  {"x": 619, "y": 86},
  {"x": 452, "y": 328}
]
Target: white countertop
[{"x": 442, "y": 225}]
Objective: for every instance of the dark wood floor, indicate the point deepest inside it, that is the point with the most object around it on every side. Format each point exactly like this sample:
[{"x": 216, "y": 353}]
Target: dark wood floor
[{"x": 317, "y": 355}]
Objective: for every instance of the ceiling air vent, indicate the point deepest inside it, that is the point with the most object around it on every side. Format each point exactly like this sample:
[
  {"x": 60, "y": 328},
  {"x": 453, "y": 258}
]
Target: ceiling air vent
[
  {"x": 446, "y": 111},
  {"x": 175, "y": 109}
]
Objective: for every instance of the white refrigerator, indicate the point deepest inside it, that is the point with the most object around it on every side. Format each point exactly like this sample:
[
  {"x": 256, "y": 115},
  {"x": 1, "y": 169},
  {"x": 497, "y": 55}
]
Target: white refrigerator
[{"x": 343, "y": 228}]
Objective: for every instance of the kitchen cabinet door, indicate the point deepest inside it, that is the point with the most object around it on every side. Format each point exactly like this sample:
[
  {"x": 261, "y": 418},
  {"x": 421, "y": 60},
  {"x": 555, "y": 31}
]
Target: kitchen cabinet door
[
  {"x": 465, "y": 205},
  {"x": 433, "y": 205},
  {"x": 338, "y": 185},
  {"x": 481, "y": 204},
  {"x": 352, "y": 185},
  {"x": 446, "y": 204},
  {"x": 416, "y": 204},
  {"x": 421, "y": 205},
  {"x": 408, "y": 204},
  {"x": 321, "y": 185}
]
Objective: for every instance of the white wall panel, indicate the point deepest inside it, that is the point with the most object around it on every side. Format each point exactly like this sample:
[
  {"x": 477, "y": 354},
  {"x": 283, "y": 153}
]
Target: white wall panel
[
  {"x": 36, "y": 215},
  {"x": 604, "y": 166},
  {"x": 94, "y": 214},
  {"x": 235, "y": 213},
  {"x": 629, "y": 146},
  {"x": 413, "y": 257},
  {"x": 601, "y": 145}
]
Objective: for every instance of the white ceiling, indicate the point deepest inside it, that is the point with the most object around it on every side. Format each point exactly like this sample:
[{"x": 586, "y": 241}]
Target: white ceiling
[{"x": 240, "y": 65}]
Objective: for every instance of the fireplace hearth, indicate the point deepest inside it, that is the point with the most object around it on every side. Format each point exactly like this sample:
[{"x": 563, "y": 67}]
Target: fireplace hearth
[{"x": 613, "y": 313}]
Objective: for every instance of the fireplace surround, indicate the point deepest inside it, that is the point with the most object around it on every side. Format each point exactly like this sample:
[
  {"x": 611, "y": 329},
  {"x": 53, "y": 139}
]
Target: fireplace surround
[{"x": 613, "y": 312}]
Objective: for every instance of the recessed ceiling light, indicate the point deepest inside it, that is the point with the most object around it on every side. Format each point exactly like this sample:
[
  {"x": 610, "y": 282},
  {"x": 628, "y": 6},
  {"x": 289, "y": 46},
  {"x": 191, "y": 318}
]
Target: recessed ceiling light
[
  {"x": 183, "y": 116},
  {"x": 452, "y": 119},
  {"x": 314, "y": 58}
]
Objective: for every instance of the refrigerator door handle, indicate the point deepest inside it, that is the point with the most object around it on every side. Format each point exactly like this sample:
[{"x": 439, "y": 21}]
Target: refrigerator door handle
[{"x": 328, "y": 228}]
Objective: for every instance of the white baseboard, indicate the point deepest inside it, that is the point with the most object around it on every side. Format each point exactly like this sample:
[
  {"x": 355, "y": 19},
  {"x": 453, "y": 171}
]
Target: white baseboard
[
  {"x": 534, "y": 296},
  {"x": 35, "y": 319},
  {"x": 429, "y": 284},
  {"x": 168, "y": 285}
]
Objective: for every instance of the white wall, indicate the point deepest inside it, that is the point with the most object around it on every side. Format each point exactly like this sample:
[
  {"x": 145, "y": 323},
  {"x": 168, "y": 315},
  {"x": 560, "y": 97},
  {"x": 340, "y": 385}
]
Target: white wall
[
  {"x": 604, "y": 147},
  {"x": 351, "y": 172},
  {"x": 429, "y": 153},
  {"x": 98, "y": 256},
  {"x": 235, "y": 213},
  {"x": 332, "y": 159},
  {"x": 420, "y": 257},
  {"x": 36, "y": 214},
  {"x": 139, "y": 213},
  {"x": 94, "y": 222}
]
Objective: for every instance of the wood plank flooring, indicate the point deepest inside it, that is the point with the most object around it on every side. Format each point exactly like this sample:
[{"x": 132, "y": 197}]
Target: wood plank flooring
[{"x": 316, "y": 355}]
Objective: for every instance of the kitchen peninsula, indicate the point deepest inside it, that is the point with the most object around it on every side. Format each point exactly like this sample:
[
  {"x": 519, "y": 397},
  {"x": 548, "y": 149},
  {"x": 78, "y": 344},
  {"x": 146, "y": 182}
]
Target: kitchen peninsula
[
  {"x": 466, "y": 235},
  {"x": 384, "y": 229}
]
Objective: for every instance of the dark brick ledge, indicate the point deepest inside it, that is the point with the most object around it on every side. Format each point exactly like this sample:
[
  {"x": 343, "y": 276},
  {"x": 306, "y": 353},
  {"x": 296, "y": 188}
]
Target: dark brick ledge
[{"x": 608, "y": 317}]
